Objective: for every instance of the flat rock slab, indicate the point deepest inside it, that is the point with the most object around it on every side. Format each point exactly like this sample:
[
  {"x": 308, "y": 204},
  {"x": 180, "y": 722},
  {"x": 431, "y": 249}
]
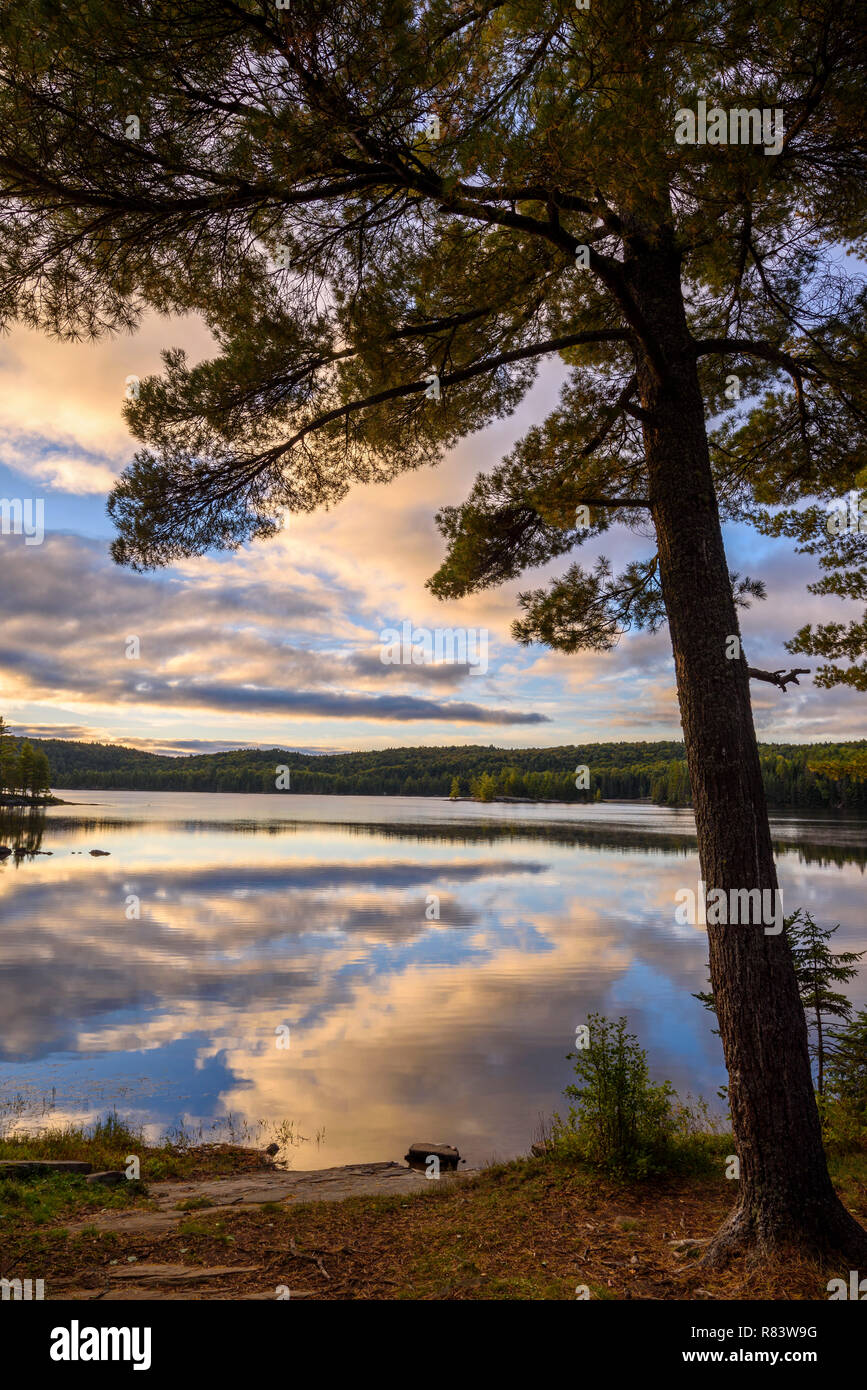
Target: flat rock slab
[
  {"x": 26, "y": 1167},
  {"x": 134, "y": 1221},
  {"x": 324, "y": 1184},
  {"x": 320, "y": 1185}
]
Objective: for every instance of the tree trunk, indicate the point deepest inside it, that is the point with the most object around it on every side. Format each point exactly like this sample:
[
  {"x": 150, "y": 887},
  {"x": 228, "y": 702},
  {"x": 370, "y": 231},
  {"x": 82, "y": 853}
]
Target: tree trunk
[
  {"x": 820, "y": 1047},
  {"x": 785, "y": 1195}
]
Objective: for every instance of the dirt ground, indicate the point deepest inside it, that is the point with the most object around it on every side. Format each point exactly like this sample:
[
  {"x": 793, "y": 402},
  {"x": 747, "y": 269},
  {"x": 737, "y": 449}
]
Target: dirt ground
[{"x": 526, "y": 1230}]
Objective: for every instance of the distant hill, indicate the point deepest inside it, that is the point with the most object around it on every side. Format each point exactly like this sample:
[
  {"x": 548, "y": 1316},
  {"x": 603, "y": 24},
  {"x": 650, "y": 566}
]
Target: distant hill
[{"x": 793, "y": 772}]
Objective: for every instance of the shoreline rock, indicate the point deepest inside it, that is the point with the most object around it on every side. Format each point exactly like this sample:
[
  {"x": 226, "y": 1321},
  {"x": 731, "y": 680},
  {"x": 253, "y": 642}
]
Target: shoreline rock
[{"x": 418, "y": 1155}]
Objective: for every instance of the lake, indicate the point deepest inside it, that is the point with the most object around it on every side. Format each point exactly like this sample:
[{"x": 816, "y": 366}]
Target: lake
[{"x": 362, "y": 971}]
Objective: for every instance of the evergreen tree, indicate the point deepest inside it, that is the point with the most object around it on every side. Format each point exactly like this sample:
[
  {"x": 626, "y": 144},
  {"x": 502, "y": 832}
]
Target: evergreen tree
[
  {"x": 484, "y": 788},
  {"x": 5, "y": 756},
  {"x": 24, "y": 771},
  {"x": 817, "y": 968},
  {"x": 27, "y": 769},
  {"x": 41, "y": 773},
  {"x": 9, "y": 768},
  {"x": 847, "y": 1065}
]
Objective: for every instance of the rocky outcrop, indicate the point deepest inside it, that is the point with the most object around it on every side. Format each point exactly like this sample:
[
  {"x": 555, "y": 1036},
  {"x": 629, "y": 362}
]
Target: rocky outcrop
[{"x": 173, "y": 1199}]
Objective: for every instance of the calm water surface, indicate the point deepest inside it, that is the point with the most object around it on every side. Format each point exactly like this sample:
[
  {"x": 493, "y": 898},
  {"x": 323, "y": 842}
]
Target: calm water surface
[{"x": 259, "y": 914}]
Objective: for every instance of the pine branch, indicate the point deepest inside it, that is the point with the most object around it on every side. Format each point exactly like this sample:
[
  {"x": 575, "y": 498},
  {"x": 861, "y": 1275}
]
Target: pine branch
[{"x": 780, "y": 678}]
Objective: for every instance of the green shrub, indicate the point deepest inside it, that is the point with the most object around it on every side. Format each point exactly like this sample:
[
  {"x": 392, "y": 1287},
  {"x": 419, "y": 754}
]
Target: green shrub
[
  {"x": 844, "y": 1124},
  {"x": 620, "y": 1121}
]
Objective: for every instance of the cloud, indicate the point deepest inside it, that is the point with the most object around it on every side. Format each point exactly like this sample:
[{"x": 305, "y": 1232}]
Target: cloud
[
  {"x": 371, "y": 664},
  {"x": 82, "y": 732},
  {"x": 56, "y": 463},
  {"x": 172, "y": 643},
  {"x": 61, "y": 420},
  {"x": 87, "y": 733},
  {"x": 278, "y": 642},
  {"x": 329, "y": 704}
]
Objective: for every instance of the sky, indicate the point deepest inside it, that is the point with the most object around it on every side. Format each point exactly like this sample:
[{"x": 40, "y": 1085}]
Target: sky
[{"x": 278, "y": 644}]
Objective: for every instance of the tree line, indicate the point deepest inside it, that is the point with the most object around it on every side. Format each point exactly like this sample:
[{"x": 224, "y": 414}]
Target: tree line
[{"x": 812, "y": 776}]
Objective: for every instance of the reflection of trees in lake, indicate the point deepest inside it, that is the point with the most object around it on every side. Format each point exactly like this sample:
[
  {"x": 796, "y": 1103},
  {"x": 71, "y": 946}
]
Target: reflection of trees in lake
[
  {"x": 820, "y": 842},
  {"x": 21, "y": 830}
]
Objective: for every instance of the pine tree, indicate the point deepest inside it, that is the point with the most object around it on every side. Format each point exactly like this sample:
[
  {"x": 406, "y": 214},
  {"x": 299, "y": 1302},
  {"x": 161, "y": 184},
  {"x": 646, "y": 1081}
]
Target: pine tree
[
  {"x": 5, "y": 755},
  {"x": 817, "y": 969},
  {"x": 9, "y": 769},
  {"x": 847, "y": 1065},
  {"x": 486, "y": 787},
  {"x": 41, "y": 773},
  {"x": 27, "y": 768}
]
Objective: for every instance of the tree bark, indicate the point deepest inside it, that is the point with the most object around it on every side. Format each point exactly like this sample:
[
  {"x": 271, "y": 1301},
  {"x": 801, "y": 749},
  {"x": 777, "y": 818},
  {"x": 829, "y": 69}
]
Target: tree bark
[{"x": 785, "y": 1195}]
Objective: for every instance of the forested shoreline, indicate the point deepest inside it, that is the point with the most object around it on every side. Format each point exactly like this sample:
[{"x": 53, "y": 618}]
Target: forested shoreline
[
  {"x": 25, "y": 774},
  {"x": 822, "y": 775}
]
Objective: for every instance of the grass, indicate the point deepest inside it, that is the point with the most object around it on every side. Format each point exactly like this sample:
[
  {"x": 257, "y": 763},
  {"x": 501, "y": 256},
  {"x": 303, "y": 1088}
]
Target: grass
[
  {"x": 27, "y": 1203},
  {"x": 108, "y": 1143},
  {"x": 535, "y": 1229}
]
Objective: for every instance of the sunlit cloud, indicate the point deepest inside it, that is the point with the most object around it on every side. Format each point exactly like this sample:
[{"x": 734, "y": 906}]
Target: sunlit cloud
[{"x": 279, "y": 643}]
